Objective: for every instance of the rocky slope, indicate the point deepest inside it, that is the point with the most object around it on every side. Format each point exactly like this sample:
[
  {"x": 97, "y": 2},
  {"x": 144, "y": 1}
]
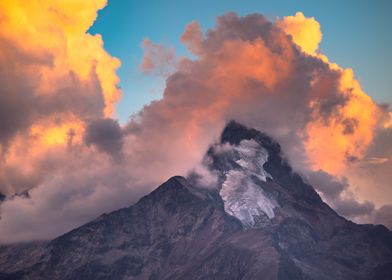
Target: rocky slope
[{"x": 261, "y": 221}]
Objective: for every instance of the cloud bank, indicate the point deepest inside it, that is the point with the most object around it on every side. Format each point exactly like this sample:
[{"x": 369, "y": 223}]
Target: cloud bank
[{"x": 75, "y": 161}]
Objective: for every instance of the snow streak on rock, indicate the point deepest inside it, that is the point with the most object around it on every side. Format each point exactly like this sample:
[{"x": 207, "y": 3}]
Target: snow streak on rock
[{"x": 242, "y": 197}]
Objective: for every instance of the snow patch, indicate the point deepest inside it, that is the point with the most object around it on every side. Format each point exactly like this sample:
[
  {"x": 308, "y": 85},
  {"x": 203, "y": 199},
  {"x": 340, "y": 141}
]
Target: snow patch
[
  {"x": 243, "y": 198},
  {"x": 252, "y": 158}
]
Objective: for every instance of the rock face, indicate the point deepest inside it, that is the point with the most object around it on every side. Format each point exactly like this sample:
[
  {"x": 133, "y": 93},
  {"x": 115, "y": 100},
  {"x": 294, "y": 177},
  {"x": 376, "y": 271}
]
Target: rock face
[{"x": 261, "y": 221}]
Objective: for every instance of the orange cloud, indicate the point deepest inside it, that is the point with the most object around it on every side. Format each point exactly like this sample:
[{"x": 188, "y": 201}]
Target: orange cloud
[
  {"x": 55, "y": 78},
  {"x": 305, "y": 32},
  {"x": 58, "y": 132},
  {"x": 387, "y": 122},
  {"x": 57, "y": 30},
  {"x": 317, "y": 109},
  {"x": 331, "y": 143},
  {"x": 193, "y": 38}
]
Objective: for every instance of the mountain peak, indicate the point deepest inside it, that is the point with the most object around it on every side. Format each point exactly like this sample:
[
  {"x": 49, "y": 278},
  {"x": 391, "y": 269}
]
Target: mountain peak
[
  {"x": 265, "y": 152},
  {"x": 261, "y": 221},
  {"x": 234, "y": 132}
]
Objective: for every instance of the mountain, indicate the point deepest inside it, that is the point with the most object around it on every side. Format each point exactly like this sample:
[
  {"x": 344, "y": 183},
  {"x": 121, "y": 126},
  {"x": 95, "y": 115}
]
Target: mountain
[{"x": 260, "y": 221}]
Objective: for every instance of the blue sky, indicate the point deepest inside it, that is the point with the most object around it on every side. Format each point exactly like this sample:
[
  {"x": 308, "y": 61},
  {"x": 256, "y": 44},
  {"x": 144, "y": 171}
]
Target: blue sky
[{"x": 356, "y": 34}]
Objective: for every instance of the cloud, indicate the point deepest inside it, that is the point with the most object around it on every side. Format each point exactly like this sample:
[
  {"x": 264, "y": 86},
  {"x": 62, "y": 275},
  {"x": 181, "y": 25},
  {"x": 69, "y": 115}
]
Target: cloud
[
  {"x": 305, "y": 31},
  {"x": 383, "y": 216},
  {"x": 336, "y": 192},
  {"x": 106, "y": 135},
  {"x": 352, "y": 209},
  {"x": 157, "y": 59},
  {"x": 330, "y": 186},
  {"x": 193, "y": 38},
  {"x": 48, "y": 91},
  {"x": 86, "y": 185},
  {"x": 246, "y": 68},
  {"x": 371, "y": 174},
  {"x": 340, "y": 196},
  {"x": 377, "y": 160}
]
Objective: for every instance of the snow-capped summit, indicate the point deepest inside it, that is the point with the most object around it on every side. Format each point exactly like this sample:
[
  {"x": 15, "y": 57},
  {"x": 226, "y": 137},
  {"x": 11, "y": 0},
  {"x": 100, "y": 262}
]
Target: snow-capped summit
[
  {"x": 241, "y": 195},
  {"x": 256, "y": 183}
]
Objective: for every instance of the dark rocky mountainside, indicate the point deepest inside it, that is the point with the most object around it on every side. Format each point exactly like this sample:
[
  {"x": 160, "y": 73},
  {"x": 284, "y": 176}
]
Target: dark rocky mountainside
[{"x": 261, "y": 221}]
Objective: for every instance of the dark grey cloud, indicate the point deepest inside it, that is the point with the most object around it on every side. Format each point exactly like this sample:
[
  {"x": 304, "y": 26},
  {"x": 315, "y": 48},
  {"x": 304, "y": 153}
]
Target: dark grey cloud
[
  {"x": 349, "y": 125},
  {"x": 351, "y": 208},
  {"x": 339, "y": 196},
  {"x": 106, "y": 135},
  {"x": 93, "y": 185},
  {"x": 22, "y": 103},
  {"x": 383, "y": 216},
  {"x": 330, "y": 186},
  {"x": 16, "y": 90},
  {"x": 372, "y": 174}
]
